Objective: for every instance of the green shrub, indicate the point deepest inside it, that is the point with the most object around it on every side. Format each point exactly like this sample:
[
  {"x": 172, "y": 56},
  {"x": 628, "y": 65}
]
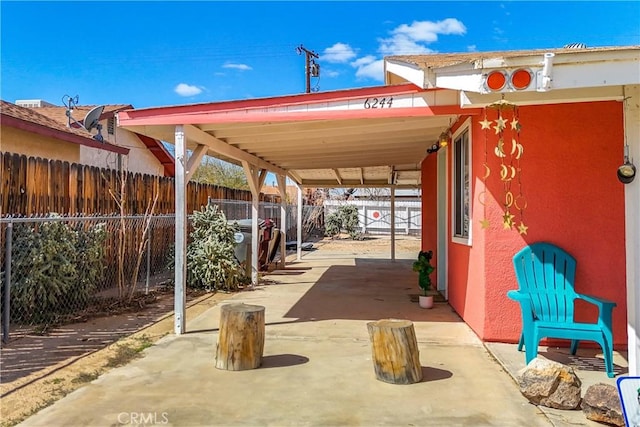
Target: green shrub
[
  {"x": 344, "y": 218},
  {"x": 211, "y": 261},
  {"x": 332, "y": 225},
  {"x": 54, "y": 270},
  {"x": 90, "y": 262}
]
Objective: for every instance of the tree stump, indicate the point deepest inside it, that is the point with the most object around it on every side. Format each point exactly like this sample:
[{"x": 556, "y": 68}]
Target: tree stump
[
  {"x": 241, "y": 337},
  {"x": 396, "y": 359}
]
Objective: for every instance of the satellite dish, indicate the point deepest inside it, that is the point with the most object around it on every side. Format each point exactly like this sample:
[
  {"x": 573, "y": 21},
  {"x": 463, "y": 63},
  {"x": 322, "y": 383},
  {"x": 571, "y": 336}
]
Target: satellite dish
[{"x": 92, "y": 120}]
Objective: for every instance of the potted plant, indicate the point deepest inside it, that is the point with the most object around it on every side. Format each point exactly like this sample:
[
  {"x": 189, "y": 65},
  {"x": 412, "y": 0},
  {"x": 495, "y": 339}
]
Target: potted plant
[{"x": 424, "y": 269}]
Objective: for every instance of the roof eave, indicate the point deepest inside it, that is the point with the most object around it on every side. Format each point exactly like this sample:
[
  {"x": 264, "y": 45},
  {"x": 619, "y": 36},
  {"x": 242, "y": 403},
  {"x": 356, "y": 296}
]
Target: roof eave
[
  {"x": 573, "y": 73},
  {"x": 61, "y": 135}
]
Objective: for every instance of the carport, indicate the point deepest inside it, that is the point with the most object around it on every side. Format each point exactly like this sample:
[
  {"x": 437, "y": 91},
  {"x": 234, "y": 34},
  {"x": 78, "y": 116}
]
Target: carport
[{"x": 367, "y": 137}]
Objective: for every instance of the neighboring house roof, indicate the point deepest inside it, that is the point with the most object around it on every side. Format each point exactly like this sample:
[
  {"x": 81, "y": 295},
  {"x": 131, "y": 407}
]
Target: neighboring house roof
[
  {"x": 29, "y": 120},
  {"x": 59, "y": 114},
  {"x": 156, "y": 147}
]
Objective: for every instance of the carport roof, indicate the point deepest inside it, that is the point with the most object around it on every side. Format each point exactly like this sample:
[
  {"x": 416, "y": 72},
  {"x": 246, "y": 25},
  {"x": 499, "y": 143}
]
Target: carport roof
[{"x": 374, "y": 136}]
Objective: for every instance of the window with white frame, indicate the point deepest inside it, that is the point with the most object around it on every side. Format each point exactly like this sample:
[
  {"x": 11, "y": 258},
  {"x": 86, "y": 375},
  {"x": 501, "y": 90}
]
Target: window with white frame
[{"x": 461, "y": 187}]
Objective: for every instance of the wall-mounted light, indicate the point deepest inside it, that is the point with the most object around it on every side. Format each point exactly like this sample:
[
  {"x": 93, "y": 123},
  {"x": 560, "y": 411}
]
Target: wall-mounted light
[
  {"x": 500, "y": 80},
  {"x": 443, "y": 141},
  {"x": 627, "y": 171}
]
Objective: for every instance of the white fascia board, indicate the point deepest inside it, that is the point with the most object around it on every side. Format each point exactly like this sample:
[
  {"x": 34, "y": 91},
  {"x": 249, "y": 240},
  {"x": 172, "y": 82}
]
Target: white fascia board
[
  {"x": 560, "y": 58},
  {"x": 595, "y": 74},
  {"x": 409, "y": 72},
  {"x": 472, "y": 81},
  {"x": 570, "y": 71},
  {"x": 469, "y": 99},
  {"x": 564, "y": 76}
]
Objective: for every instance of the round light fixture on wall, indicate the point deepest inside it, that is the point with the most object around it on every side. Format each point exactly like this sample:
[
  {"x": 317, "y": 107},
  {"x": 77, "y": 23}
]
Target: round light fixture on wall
[
  {"x": 496, "y": 80},
  {"x": 520, "y": 79},
  {"x": 499, "y": 80}
]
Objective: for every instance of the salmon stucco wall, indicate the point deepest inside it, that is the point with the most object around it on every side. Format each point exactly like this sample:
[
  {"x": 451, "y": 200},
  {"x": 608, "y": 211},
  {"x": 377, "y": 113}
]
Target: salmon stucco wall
[
  {"x": 573, "y": 199},
  {"x": 466, "y": 279},
  {"x": 429, "y": 202}
]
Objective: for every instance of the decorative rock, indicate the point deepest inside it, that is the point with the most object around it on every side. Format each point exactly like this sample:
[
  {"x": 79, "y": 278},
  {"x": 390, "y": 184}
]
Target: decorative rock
[
  {"x": 550, "y": 384},
  {"x": 601, "y": 403}
]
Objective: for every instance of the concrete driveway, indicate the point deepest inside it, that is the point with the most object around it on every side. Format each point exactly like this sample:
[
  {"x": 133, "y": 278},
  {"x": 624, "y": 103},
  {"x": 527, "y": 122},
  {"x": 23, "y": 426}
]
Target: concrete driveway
[{"x": 317, "y": 368}]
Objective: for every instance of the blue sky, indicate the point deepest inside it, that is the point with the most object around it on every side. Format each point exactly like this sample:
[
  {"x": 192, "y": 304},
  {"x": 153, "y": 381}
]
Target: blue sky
[{"x": 170, "y": 53}]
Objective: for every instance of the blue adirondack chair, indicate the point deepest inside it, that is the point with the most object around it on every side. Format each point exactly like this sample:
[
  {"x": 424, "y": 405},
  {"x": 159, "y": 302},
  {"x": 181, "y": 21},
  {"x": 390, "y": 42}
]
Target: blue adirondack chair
[{"x": 545, "y": 274}]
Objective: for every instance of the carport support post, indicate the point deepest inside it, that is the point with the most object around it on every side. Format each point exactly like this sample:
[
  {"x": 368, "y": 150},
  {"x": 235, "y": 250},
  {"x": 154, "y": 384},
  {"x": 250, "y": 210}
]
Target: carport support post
[
  {"x": 282, "y": 187},
  {"x": 299, "y": 237},
  {"x": 181, "y": 230},
  {"x": 393, "y": 223},
  {"x": 255, "y": 180},
  {"x": 632, "y": 228}
]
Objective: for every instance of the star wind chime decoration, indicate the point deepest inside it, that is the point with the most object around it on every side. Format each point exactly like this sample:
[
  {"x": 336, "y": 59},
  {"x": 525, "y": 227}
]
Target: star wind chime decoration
[{"x": 509, "y": 151}]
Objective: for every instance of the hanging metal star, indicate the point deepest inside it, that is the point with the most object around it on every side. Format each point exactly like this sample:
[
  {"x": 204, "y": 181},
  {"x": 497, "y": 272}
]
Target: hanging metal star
[
  {"x": 484, "y": 223},
  {"x": 507, "y": 220},
  {"x": 486, "y": 124},
  {"x": 522, "y": 229},
  {"x": 501, "y": 122},
  {"x": 515, "y": 125}
]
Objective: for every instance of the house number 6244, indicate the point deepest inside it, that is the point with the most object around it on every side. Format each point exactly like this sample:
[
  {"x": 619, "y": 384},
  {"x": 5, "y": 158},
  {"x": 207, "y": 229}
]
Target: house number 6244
[{"x": 378, "y": 102}]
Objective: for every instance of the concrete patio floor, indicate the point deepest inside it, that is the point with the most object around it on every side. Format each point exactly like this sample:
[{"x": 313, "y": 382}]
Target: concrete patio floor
[{"x": 317, "y": 368}]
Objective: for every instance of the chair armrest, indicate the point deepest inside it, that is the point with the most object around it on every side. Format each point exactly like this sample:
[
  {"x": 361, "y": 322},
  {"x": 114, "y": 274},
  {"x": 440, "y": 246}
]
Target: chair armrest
[
  {"x": 518, "y": 296},
  {"x": 525, "y": 304},
  {"x": 600, "y": 302}
]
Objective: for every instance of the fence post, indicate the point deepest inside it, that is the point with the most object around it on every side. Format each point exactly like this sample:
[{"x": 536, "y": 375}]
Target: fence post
[
  {"x": 146, "y": 286},
  {"x": 408, "y": 219},
  {"x": 364, "y": 219},
  {"x": 7, "y": 285}
]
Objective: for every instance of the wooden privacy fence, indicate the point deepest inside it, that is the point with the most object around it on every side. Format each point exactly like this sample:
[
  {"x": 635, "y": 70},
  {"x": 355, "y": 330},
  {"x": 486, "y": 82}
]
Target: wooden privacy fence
[{"x": 35, "y": 186}]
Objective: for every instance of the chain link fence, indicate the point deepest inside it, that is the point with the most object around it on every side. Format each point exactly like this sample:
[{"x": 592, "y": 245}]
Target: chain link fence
[
  {"x": 312, "y": 216},
  {"x": 56, "y": 270}
]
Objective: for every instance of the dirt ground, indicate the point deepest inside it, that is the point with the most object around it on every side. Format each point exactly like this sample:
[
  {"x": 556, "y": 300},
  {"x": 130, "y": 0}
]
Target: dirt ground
[
  {"x": 38, "y": 370},
  {"x": 406, "y": 243}
]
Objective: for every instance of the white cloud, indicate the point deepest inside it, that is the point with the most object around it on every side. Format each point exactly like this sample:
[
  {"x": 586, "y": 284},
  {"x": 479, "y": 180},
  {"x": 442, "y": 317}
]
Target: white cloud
[
  {"x": 369, "y": 67},
  {"x": 472, "y": 48},
  {"x": 364, "y": 61},
  {"x": 373, "y": 70},
  {"x": 338, "y": 53},
  {"x": 411, "y": 39},
  {"x": 330, "y": 73},
  {"x": 241, "y": 67},
  {"x": 184, "y": 89},
  {"x": 406, "y": 39},
  {"x": 400, "y": 44}
]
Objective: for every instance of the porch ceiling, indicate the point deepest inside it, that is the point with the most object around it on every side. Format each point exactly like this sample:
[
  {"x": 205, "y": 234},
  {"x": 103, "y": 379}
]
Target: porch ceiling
[{"x": 331, "y": 139}]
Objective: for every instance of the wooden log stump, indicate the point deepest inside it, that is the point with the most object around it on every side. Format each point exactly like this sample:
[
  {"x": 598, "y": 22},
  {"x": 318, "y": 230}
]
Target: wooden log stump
[
  {"x": 396, "y": 359},
  {"x": 241, "y": 337}
]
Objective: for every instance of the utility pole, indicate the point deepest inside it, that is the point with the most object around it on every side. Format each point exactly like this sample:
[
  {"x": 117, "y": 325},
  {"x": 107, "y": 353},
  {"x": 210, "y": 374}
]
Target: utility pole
[{"x": 311, "y": 68}]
